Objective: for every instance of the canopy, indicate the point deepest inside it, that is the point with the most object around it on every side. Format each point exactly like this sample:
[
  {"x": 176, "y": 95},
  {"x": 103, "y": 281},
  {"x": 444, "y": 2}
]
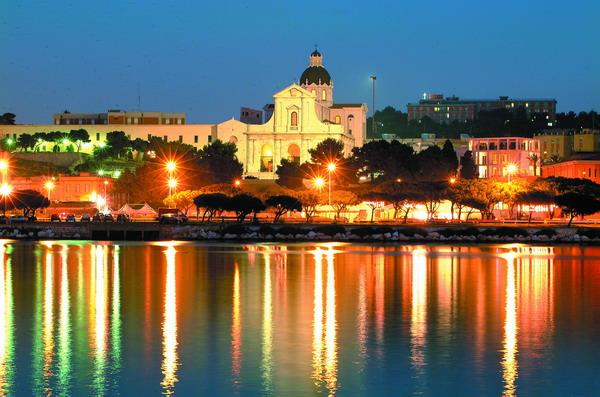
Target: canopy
[{"x": 141, "y": 210}]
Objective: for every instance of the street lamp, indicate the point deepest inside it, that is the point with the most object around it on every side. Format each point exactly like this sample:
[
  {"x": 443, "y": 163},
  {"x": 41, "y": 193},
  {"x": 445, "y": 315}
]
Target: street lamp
[
  {"x": 171, "y": 165},
  {"x": 4, "y": 169},
  {"x": 511, "y": 169},
  {"x": 237, "y": 183},
  {"x": 5, "y": 190},
  {"x": 319, "y": 182},
  {"x": 49, "y": 185},
  {"x": 330, "y": 168},
  {"x": 452, "y": 181},
  {"x": 172, "y": 185},
  {"x": 373, "y": 78}
]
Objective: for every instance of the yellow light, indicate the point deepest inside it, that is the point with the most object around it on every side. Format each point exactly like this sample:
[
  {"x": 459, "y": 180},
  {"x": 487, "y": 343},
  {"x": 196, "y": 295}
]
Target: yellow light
[
  {"x": 5, "y": 189},
  {"x": 331, "y": 167},
  {"x": 452, "y": 180},
  {"x": 106, "y": 182},
  {"x": 3, "y": 165},
  {"x": 399, "y": 180},
  {"x": 237, "y": 183},
  {"x": 319, "y": 182},
  {"x": 172, "y": 183},
  {"x": 511, "y": 168},
  {"x": 49, "y": 185},
  {"x": 171, "y": 165}
]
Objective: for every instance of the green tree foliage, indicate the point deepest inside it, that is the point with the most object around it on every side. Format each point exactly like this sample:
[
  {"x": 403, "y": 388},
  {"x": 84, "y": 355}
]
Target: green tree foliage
[
  {"x": 7, "y": 118},
  {"x": 577, "y": 204},
  {"x": 218, "y": 163},
  {"x": 79, "y": 137},
  {"x": 385, "y": 160},
  {"x": 327, "y": 151},
  {"x": 341, "y": 200},
  {"x": 244, "y": 205},
  {"x": 402, "y": 196},
  {"x": 282, "y": 205},
  {"x": 26, "y": 142},
  {"x": 118, "y": 145},
  {"x": 289, "y": 174},
  {"x": 468, "y": 168},
  {"x": 212, "y": 203},
  {"x": 183, "y": 200},
  {"x": 30, "y": 201}
]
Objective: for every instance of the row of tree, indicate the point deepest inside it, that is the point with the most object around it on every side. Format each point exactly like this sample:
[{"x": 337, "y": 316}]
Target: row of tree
[
  {"x": 499, "y": 122},
  {"x": 70, "y": 141},
  {"x": 29, "y": 201}
]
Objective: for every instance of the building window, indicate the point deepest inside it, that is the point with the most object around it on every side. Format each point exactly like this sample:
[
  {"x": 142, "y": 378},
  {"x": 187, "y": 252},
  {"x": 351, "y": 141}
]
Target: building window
[
  {"x": 294, "y": 119},
  {"x": 338, "y": 119},
  {"x": 178, "y": 121},
  {"x": 266, "y": 158},
  {"x": 493, "y": 146},
  {"x": 149, "y": 137},
  {"x": 314, "y": 92},
  {"x": 166, "y": 138},
  {"x": 97, "y": 136},
  {"x": 323, "y": 95},
  {"x": 167, "y": 121},
  {"x": 195, "y": 138},
  {"x": 209, "y": 138}
]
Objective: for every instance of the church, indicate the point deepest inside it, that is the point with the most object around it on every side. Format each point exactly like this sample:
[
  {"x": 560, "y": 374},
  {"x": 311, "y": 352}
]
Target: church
[{"x": 302, "y": 115}]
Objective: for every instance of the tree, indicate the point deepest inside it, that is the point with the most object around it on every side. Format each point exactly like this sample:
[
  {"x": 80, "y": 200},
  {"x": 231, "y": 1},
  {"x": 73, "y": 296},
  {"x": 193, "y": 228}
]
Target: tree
[
  {"x": 485, "y": 196},
  {"x": 374, "y": 200},
  {"x": 327, "y": 151},
  {"x": 7, "y": 118},
  {"x": 449, "y": 157},
  {"x": 244, "y": 205},
  {"x": 468, "y": 168},
  {"x": 289, "y": 174},
  {"x": 117, "y": 144},
  {"x": 402, "y": 196},
  {"x": 533, "y": 197},
  {"x": 577, "y": 204},
  {"x": 30, "y": 201},
  {"x": 212, "y": 203},
  {"x": 534, "y": 158},
  {"x": 183, "y": 200},
  {"x": 283, "y": 204},
  {"x": 218, "y": 163},
  {"x": 79, "y": 137},
  {"x": 310, "y": 200},
  {"x": 26, "y": 142},
  {"x": 341, "y": 200}
]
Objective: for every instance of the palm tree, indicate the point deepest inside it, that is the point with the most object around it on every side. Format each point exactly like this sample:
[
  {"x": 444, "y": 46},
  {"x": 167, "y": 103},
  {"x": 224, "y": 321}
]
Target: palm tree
[{"x": 534, "y": 158}]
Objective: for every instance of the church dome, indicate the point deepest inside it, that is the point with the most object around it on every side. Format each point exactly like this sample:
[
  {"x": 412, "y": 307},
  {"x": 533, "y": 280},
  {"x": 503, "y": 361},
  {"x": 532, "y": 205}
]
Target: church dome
[{"x": 315, "y": 75}]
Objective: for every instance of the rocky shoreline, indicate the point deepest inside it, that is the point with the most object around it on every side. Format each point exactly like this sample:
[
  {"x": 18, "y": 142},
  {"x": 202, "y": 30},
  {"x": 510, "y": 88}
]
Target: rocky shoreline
[{"x": 334, "y": 232}]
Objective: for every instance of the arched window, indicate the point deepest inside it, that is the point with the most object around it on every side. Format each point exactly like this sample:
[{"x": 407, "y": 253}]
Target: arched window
[
  {"x": 338, "y": 119},
  {"x": 349, "y": 125},
  {"x": 294, "y": 153},
  {"x": 314, "y": 92},
  {"x": 294, "y": 119},
  {"x": 266, "y": 158},
  {"x": 233, "y": 139},
  {"x": 323, "y": 95}
]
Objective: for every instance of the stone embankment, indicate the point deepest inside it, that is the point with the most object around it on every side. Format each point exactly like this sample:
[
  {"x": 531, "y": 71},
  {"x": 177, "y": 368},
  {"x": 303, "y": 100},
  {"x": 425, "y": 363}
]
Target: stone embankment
[{"x": 152, "y": 231}]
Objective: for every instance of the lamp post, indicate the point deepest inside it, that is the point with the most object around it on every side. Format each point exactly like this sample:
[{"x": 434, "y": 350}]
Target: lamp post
[
  {"x": 4, "y": 169},
  {"x": 373, "y": 78},
  {"x": 510, "y": 170},
  {"x": 49, "y": 185},
  {"x": 330, "y": 169},
  {"x": 5, "y": 190},
  {"x": 319, "y": 182},
  {"x": 172, "y": 185}
]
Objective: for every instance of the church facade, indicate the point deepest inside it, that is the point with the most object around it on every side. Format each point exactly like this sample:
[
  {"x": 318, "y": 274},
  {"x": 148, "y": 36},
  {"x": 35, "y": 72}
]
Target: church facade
[{"x": 303, "y": 115}]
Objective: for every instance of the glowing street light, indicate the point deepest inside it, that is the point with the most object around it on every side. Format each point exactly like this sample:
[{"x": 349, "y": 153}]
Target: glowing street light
[
  {"x": 172, "y": 183},
  {"x": 319, "y": 182},
  {"x": 5, "y": 190},
  {"x": 3, "y": 165},
  {"x": 452, "y": 181},
  {"x": 237, "y": 183},
  {"x": 511, "y": 169},
  {"x": 171, "y": 165},
  {"x": 101, "y": 172},
  {"x": 49, "y": 185}
]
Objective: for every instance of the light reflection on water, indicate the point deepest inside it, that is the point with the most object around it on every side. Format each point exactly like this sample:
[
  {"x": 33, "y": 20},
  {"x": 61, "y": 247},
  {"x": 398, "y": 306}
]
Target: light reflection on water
[{"x": 302, "y": 319}]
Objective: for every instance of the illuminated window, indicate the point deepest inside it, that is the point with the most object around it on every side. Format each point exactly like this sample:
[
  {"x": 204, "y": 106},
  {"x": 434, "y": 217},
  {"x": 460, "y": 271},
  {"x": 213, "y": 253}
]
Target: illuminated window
[
  {"x": 314, "y": 92},
  {"x": 323, "y": 95},
  {"x": 294, "y": 119},
  {"x": 338, "y": 119}
]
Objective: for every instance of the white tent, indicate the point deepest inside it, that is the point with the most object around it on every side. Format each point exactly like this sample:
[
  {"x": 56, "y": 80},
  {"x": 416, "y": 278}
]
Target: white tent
[{"x": 137, "y": 210}]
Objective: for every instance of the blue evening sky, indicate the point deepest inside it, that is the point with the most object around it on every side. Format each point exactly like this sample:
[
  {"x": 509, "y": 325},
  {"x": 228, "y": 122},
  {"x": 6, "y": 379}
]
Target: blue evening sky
[{"x": 208, "y": 58}]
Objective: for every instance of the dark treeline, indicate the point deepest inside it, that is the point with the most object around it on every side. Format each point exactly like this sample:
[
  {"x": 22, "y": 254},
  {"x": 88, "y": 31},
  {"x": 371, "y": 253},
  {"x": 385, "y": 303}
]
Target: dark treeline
[{"x": 500, "y": 122}]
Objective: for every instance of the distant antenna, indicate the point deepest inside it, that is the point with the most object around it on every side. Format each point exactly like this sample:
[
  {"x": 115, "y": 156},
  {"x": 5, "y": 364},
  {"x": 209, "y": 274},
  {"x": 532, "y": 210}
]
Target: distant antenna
[{"x": 139, "y": 97}]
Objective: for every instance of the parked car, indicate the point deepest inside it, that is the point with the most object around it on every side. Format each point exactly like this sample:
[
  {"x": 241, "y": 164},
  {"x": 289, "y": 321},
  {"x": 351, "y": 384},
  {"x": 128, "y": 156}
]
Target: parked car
[
  {"x": 70, "y": 218},
  {"x": 85, "y": 218},
  {"x": 55, "y": 218},
  {"x": 98, "y": 217},
  {"x": 32, "y": 219},
  {"x": 18, "y": 219},
  {"x": 122, "y": 218},
  {"x": 172, "y": 218},
  {"x": 108, "y": 218}
]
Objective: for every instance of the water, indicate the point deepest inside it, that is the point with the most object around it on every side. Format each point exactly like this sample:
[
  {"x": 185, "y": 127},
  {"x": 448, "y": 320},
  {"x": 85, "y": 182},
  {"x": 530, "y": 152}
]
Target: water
[{"x": 82, "y": 318}]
